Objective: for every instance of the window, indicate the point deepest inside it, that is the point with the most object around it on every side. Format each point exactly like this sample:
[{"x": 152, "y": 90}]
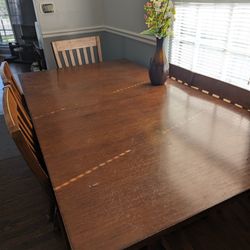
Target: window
[
  {"x": 213, "y": 39},
  {"x": 6, "y": 32}
]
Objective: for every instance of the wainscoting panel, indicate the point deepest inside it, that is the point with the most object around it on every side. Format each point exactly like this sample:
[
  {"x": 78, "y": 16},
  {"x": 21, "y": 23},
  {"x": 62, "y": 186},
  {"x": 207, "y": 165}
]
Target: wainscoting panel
[{"x": 117, "y": 46}]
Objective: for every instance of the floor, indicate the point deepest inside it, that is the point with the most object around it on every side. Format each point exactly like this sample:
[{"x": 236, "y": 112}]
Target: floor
[
  {"x": 24, "y": 210},
  {"x": 24, "y": 222}
]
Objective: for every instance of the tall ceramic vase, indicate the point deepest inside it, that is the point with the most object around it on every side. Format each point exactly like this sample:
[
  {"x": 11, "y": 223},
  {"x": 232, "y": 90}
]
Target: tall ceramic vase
[{"x": 159, "y": 66}]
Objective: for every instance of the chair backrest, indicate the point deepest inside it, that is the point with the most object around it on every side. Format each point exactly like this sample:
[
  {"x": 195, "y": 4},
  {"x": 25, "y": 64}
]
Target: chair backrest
[
  {"x": 8, "y": 79},
  {"x": 76, "y": 51},
  {"x": 21, "y": 129}
]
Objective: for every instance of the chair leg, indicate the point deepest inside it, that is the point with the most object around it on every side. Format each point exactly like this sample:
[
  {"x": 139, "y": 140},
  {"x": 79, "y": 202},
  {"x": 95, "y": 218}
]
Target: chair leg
[
  {"x": 155, "y": 245},
  {"x": 52, "y": 211},
  {"x": 53, "y": 216},
  {"x": 56, "y": 219},
  {"x": 58, "y": 225}
]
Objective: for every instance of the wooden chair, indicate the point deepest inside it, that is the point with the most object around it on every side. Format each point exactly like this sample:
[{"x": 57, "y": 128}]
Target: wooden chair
[
  {"x": 76, "y": 51},
  {"x": 21, "y": 129},
  {"x": 8, "y": 79}
]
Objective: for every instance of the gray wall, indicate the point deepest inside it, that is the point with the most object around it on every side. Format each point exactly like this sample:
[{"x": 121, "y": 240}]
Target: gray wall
[
  {"x": 129, "y": 14},
  {"x": 70, "y": 14},
  {"x": 125, "y": 14}
]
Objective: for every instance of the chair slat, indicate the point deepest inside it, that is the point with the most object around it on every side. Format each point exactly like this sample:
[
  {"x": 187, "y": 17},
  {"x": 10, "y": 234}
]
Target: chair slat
[
  {"x": 92, "y": 54},
  {"x": 65, "y": 58},
  {"x": 25, "y": 127},
  {"x": 18, "y": 96},
  {"x": 56, "y": 53},
  {"x": 72, "y": 58},
  {"x": 26, "y": 131},
  {"x": 99, "y": 50},
  {"x": 86, "y": 57},
  {"x": 25, "y": 117},
  {"x": 79, "y": 58},
  {"x": 27, "y": 139}
]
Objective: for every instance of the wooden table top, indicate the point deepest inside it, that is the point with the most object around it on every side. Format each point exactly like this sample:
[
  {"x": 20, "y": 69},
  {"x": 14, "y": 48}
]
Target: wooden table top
[{"x": 128, "y": 160}]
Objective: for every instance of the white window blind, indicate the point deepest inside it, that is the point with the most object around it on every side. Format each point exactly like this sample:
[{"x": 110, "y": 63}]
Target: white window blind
[{"x": 213, "y": 39}]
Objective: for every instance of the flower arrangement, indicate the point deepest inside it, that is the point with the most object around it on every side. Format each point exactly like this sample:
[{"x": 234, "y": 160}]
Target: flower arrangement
[{"x": 159, "y": 17}]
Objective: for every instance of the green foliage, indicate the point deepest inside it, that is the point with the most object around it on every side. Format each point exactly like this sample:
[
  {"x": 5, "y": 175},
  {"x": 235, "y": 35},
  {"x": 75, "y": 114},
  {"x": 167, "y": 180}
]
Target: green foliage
[{"x": 159, "y": 17}]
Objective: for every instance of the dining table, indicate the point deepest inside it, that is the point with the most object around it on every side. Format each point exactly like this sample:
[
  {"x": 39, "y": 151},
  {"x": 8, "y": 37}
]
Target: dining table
[{"x": 128, "y": 160}]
